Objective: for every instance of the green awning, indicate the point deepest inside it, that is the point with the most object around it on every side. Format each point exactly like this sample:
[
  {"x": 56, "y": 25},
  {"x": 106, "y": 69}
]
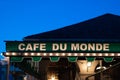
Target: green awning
[
  {"x": 56, "y": 59},
  {"x": 36, "y": 59},
  {"x": 72, "y": 59},
  {"x": 16, "y": 59},
  {"x": 108, "y": 59},
  {"x": 90, "y": 59}
]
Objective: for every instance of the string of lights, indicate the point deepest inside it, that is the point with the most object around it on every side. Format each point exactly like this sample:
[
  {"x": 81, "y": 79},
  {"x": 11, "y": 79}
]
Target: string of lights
[{"x": 60, "y": 54}]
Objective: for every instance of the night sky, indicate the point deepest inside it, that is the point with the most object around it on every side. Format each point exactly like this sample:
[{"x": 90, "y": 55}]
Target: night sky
[{"x": 20, "y": 18}]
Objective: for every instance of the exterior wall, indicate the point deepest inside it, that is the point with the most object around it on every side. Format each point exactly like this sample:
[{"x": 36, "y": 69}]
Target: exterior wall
[{"x": 86, "y": 70}]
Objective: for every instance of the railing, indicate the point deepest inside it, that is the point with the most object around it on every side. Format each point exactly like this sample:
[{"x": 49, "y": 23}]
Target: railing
[{"x": 101, "y": 72}]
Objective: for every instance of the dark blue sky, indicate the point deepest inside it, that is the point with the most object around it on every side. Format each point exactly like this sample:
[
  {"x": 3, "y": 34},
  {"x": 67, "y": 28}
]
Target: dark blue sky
[{"x": 20, "y": 18}]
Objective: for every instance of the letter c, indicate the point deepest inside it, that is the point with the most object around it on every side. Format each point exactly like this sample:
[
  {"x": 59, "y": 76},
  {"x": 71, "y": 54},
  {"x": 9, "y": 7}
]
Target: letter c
[{"x": 21, "y": 47}]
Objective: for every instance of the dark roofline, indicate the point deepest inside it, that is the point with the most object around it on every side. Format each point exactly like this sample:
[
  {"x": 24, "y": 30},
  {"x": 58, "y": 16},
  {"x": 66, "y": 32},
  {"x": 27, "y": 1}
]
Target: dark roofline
[{"x": 64, "y": 35}]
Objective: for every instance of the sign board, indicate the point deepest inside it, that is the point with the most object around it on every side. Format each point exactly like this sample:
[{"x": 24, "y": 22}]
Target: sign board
[
  {"x": 72, "y": 47},
  {"x": 55, "y": 49}
]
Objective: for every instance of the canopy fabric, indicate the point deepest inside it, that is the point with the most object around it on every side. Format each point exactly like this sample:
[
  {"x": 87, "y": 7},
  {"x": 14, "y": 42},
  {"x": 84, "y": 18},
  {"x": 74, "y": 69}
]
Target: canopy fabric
[{"x": 56, "y": 59}]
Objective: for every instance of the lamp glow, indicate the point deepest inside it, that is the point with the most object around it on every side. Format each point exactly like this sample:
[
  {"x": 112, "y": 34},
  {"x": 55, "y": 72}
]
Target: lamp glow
[
  {"x": 26, "y": 54},
  {"x": 51, "y": 54},
  {"x": 75, "y": 54},
  {"x": 13, "y": 54},
  {"x": 38, "y": 54},
  {"x": 32, "y": 54},
  {"x": 69, "y": 54},
  {"x": 94, "y": 54},
  {"x": 81, "y": 54},
  {"x": 63, "y": 54},
  {"x": 88, "y": 54},
  {"x": 57, "y": 54},
  {"x": 89, "y": 64},
  {"x": 1, "y": 54},
  {"x": 7, "y": 53},
  {"x": 100, "y": 54},
  {"x": 112, "y": 54},
  {"x": 118, "y": 54},
  {"x": 52, "y": 78},
  {"x": 44, "y": 54},
  {"x": 106, "y": 54}
]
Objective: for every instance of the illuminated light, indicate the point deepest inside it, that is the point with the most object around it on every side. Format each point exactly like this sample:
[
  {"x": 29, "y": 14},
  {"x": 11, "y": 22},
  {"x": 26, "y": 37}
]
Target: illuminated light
[
  {"x": 104, "y": 67},
  {"x": 89, "y": 64},
  {"x": 69, "y": 54},
  {"x": 100, "y": 54},
  {"x": 38, "y": 54},
  {"x": 88, "y": 54},
  {"x": 94, "y": 54},
  {"x": 81, "y": 54},
  {"x": 112, "y": 54},
  {"x": 110, "y": 65},
  {"x": 7, "y": 53},
  {"x": 75, "y": 54},
  {"x": 25, "y": 78},
  {"x": 98, "y": 68},
  {"x": 26, "y": 54},
  {"x": 13, "y": 54},
  {"x": 1, "y": 54},
  {"x": 118, "y": 54},
  {"x": 57, "y": 54},
  {"x": 106, "y": 54},
  {"x": 52, "y": 78},
  {"x": 32, "y": 54},
  {"x": 51, "y": 54},
  {"x": 63, "y": 54},
  {"x": 44, "y": 54}
]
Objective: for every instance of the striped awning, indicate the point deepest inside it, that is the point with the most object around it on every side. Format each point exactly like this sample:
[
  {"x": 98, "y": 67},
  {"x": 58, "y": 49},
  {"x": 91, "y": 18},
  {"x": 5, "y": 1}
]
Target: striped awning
[{"x": 54, "y": 57}]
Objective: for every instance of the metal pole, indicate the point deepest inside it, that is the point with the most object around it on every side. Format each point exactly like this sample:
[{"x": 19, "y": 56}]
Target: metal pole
[
  {"x": 101, "y": 75},
  {"x": 8, "y": 67}
]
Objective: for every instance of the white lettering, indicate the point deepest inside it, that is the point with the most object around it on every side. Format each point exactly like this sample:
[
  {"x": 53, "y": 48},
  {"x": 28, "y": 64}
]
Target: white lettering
[
  {"x": 29, "y": 47},
  {"x": 21, "y": 47},
  {"x": 43, "y": 47},
  {"x": 91, "y": 47},
  {"x": 55, "y": 47},
  {"x": 36, "y": 45},
  {"x": 83, "y": 47},
  {"x": 63, "y": 47},
  {"x": 106, "y": 47},
  {"x": 98, "y": 47},
  {"x": 74, "y": 47}
]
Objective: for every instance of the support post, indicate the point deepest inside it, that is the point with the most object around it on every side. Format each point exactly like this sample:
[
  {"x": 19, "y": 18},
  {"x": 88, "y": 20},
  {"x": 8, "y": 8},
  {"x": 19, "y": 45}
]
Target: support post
[
  {"x": 101, "y": 75},
  {"x": 8, "y": 68}
]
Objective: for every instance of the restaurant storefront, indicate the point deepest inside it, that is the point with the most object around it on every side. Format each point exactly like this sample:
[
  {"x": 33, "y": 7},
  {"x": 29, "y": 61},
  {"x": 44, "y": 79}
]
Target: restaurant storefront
[{"x": 70, "y": 53}]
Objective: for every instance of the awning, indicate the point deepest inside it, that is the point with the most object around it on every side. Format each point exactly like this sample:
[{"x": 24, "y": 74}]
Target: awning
[{"x": 56, "y": 59}]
